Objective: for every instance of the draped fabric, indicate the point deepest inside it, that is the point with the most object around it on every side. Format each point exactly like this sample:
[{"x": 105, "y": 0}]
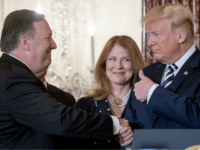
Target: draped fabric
[{"x": 147, "y": 5}]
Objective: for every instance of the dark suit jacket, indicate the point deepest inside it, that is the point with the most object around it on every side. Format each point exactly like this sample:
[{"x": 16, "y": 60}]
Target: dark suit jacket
[
  {"x": 61, "y": 96},
  {"x": 31, "y": 118},
  {"x": 177, "y": 106}
]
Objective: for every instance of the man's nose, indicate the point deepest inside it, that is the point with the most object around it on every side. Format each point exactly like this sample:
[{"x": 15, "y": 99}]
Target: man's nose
[
  {"x": 53, "y": 44},
  {"x": 151, "y": 41}
]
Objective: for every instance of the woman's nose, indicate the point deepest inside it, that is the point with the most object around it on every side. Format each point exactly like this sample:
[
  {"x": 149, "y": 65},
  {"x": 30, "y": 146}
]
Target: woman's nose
[{"x": 119, "y": 64}]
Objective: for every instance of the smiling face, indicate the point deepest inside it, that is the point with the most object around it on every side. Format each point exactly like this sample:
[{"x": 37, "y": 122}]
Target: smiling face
[
  {"x": 41, "y": 47},
  {"x": 163, "y": 43},
  {"x": 118, "y": 66}
]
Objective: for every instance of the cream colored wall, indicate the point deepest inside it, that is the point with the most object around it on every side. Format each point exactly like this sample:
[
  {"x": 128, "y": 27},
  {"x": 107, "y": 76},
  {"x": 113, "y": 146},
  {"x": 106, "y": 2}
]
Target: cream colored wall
[
  {"x": 71, "y": 72},
  {"x": 117, "y": 17}
]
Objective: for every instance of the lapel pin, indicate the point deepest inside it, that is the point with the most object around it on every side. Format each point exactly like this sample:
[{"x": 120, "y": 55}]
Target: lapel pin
[{"x": 185, "y": 73}]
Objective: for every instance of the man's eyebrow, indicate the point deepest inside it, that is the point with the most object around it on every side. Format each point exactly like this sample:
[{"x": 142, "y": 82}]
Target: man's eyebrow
[{"x": 152, "y": 32}]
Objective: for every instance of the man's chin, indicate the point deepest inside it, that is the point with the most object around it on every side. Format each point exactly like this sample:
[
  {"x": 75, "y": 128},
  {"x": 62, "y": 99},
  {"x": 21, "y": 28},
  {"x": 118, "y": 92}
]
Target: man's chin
[{"x": 157, "y": 57}]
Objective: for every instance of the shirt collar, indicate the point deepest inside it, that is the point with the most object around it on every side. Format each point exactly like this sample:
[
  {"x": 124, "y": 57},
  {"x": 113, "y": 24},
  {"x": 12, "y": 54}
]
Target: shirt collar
[
  {"x": 185, "y": 57},
  {"x": 45, "y": 83}
]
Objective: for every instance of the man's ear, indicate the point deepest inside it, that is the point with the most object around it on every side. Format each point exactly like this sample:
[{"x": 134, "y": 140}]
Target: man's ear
[
  {"x": 25, "y": 42},
  {"x": 182, "y": 35}
]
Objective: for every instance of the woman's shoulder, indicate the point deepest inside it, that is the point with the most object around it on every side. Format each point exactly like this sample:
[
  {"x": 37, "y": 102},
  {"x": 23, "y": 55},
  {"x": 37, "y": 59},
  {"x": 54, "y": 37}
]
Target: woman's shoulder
[{"x": 84, "y": 103}]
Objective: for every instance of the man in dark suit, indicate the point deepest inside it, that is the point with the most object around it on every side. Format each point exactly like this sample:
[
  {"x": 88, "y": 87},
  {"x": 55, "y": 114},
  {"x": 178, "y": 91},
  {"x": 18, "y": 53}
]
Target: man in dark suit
[
  {"x": 167, "y": 93},
  {"x": 30, "y": 118}
]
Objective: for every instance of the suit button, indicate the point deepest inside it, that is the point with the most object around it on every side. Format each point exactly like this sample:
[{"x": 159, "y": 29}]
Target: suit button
[{"x": 95, "y": 143}]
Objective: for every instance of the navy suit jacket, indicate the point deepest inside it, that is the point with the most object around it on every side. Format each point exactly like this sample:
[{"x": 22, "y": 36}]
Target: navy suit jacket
[
  {"x": 174, "y": 107},
  {"x": 30, "y": 118}
]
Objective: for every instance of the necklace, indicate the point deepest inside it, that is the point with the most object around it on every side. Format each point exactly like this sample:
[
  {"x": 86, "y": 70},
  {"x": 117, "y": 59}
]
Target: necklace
[{"x": 118, "y": 102}]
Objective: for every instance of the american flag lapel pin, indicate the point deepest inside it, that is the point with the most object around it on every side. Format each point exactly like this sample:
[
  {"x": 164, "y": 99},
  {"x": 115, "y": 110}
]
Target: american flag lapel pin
[{"x": 185, "y": 73}]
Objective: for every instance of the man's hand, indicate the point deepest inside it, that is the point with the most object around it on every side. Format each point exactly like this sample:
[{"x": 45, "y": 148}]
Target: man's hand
[
  {"x": 125, "y": 136},
  {"x": 142, "y": 87},
  {"x": 125, "y": 133}
]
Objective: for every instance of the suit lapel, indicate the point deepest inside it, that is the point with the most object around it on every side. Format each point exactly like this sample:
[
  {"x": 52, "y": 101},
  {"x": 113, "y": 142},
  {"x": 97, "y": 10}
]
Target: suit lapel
[
  {"x": 159, "y": 73},
  {"x": 185, "y": 72},
  {"x": 187, "y": 69},
  {"x": 156, "y": 75}
]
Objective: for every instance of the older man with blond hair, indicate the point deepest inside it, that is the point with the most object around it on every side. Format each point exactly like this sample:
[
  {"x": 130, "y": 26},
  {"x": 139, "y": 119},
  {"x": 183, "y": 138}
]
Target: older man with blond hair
[{"x": 167, "y": 93}]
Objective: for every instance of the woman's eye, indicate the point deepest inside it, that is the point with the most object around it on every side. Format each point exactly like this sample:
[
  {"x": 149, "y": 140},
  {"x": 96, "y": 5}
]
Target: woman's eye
[
  {"x": 126, "y": 59},
  {"x": 112, "y": 59}
]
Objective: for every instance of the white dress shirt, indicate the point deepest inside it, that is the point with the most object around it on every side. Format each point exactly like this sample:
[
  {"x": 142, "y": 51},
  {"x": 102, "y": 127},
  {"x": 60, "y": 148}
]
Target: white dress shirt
[{"x": 179, "y": 64}]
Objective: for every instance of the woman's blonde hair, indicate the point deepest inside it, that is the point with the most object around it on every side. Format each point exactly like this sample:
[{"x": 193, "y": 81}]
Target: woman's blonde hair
[
  {"x": 178, "y": 14},
  {"x": 102, "y": 83}
]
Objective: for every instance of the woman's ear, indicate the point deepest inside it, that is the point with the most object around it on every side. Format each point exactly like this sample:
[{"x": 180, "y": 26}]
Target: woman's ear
[{"x": 25, "y": 42}]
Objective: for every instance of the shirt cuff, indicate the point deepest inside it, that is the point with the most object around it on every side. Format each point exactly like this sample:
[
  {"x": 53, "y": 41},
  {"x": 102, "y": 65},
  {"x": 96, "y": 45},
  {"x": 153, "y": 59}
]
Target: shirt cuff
[
  {"x": 151, "y": 91},
  {"x": 116, "y": 125}
]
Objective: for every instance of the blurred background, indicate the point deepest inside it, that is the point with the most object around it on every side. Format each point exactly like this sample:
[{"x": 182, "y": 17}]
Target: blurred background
[{"x": 80, "y": 29}]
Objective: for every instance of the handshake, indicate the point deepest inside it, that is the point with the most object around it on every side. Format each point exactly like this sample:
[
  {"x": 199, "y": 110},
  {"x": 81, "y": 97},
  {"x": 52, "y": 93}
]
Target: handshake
[{"x": 125, "y": 135}]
